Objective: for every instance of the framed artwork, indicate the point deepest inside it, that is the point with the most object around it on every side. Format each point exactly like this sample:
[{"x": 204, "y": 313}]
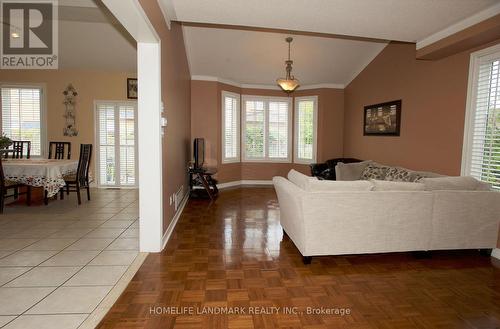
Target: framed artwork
[
  {"x": 132, "y": 88},
  {"x": 382, "y": 119}
]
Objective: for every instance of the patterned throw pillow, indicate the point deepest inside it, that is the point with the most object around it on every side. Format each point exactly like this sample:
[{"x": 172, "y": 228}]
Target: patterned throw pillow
[
  {"x": 400, "y": 175},
  {"x": 374, "y": 172}
]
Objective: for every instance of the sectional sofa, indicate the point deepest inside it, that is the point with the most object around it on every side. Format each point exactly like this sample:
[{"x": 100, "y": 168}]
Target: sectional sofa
[{"x": 376, "y": 216}]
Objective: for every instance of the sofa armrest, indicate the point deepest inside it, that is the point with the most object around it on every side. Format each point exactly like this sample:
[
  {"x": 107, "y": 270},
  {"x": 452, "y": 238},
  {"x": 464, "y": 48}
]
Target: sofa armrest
[{"x": 291, "y": 211}]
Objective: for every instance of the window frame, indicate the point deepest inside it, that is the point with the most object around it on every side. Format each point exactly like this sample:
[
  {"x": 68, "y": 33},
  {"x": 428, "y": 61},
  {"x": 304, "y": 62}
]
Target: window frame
[
  {"x": 43, "y": 112},
  {"x": 225, "y": 94},
  {"x": 296, "y": 158},
  {"x": 266, "y": 100},
  {"x": 476, "y": 59}
]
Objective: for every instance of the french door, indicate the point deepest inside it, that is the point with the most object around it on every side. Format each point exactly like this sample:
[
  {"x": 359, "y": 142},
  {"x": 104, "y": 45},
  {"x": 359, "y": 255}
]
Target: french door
[{"x": 116, "y": 139}]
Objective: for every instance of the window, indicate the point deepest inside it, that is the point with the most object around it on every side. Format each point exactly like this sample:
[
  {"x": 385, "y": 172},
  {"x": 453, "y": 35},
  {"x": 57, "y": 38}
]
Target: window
[
  {"x": 266, "y": 132},
  {"x": 116, "y": 136},
  {"x": 481, "y": 156},
  {"x": 230, "y": 127},
  {"x": 22, "y": 116},
  {"x": 306, "y": 121}
]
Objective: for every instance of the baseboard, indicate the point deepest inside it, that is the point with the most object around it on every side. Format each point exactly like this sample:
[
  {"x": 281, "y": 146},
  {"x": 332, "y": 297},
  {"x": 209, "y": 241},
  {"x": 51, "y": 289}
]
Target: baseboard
[
  {"x": 244, "y": 182},
  {"x": 171, "y": 227},
  {"x": 495, "y": 253}
]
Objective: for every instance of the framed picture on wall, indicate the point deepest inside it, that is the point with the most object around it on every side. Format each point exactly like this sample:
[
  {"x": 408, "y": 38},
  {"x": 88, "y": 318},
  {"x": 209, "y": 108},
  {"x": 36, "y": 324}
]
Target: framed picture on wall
[
  {"x": 382, "y": 119},
  {"x": 132, "y": 88}
]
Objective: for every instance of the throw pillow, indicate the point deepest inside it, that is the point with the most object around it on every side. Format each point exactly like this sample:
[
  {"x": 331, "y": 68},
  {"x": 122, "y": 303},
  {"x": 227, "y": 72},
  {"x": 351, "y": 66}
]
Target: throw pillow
[
  {"x": 401, "y": 175},
  {"x": 373, "y": 171},
  {"x": 350, "y": 171},
  {"x": 384, "y": 185}
]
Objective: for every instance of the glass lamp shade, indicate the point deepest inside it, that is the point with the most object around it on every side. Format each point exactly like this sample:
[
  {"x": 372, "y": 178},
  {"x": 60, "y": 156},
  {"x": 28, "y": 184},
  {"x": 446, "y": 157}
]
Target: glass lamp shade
[{"x": 288, "y": 85}]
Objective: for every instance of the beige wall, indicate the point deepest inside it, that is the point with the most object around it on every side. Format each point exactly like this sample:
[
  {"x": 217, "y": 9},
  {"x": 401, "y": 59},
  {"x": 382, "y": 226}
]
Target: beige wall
[
  {"x": 176, "y": 96},
  {"x": 90, "y": 85},
  {"x": 206, "y": 104}
]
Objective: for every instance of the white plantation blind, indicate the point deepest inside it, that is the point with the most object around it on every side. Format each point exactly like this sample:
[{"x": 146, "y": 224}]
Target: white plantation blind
[
  {"x": 306, "y": 114},
  {"x": 278, "y": 129},
  {"x": 230, "y": 127},
  {"x": 117, "y": 142},
  {"x": 266, "y": 134},
  {"x": 22, "y": 115},
  {"x": 127, "y": 135},
  {"x": 483, "y": 133}
]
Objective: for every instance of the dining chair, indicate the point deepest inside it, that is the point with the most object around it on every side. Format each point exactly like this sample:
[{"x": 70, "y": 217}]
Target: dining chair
[
  {"x": 6, "y": 185},
  {"x": 80, "y": 179},
  {"x": 18, "y": 150},
  {"x": 57, "y": 150}
]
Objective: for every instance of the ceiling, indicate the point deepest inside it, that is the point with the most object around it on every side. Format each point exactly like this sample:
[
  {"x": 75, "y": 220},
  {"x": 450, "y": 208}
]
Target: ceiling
[
  {"x": 91, "y": 38},
  {"x": 401, "y": 20},
  {"x": 251, "y": 57}
]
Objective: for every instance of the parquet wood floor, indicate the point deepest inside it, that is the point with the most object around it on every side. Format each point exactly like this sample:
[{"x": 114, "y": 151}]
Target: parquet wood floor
[{"x": 233, "y": 254}]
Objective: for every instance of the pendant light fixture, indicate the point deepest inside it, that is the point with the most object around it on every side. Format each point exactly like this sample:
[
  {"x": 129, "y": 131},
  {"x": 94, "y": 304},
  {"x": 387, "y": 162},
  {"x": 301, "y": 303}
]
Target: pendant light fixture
[{"x": 289, "y": 83}]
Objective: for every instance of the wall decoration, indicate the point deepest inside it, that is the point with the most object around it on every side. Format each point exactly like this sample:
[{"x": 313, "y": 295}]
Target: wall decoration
[
  {"x": 132, "y": 88},
  {"x": 70, "y": 115},
  {"x": 382, "y": 119}
]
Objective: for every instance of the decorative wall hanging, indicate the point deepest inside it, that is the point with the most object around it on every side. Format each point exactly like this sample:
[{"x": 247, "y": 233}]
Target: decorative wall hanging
[
  {"x": 382, "y": 119},
  {"x": 70, "y": 115},
  {"x": 132, "y": 88}
]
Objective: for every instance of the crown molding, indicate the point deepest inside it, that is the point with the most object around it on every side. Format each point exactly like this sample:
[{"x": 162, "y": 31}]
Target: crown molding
[
  {"x": 259, "y": 86},
  {"x": 168, "y": 11},
  {"x": 459, "y": 26}
]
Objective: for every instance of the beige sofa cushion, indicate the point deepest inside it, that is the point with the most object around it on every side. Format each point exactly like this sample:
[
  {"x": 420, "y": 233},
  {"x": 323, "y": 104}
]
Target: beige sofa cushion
[
  {"x": 331, "y": 185},
  {"x": 350, "y": 171},
  {"x": 382, "y": 185},
  {"x": 465, "y": 183},
  {"x": 299, "y": 179}
]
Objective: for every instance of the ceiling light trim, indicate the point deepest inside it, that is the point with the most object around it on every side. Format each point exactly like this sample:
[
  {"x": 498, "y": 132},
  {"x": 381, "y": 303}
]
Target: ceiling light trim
[
  {"x": 264, "y": 86},
  {"x": 459, "y": 26}
]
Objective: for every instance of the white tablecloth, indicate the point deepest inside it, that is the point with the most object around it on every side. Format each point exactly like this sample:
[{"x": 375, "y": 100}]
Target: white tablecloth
[{"x": 39, "y": 172}]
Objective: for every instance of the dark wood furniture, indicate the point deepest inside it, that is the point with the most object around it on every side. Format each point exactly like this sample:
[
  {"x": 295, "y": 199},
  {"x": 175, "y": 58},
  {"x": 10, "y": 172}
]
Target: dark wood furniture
[
  {"x": 80, "y": 179},
  {"x": 202, "y": 177},
  {"x": 17, "y": 148},
  {"x": 59, "y": 150},
  {"x": 6, "y": 185}
]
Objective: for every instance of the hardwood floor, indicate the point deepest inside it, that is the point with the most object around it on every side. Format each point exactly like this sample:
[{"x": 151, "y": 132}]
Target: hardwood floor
[{"x": 232, "y": 256}]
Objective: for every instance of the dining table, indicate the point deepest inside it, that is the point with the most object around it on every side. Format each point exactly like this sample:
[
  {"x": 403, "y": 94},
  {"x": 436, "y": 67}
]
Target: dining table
[{"x": 46, "y": 173}]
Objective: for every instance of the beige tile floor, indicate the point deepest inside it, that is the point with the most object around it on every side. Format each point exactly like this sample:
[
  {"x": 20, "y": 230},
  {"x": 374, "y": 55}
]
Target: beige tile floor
[{"x": 58, "y": 262}]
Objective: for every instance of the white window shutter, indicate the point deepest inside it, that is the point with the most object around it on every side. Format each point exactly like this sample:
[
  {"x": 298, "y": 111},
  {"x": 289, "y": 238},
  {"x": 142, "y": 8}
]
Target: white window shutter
[
  {"x": 267, "y": 129},
  {"x": 230, "y": 127},
  {"x": 306, "y": 121},
  {"x": 254, "y": 133},
  {"x": 278, "y": 118},
  {"x": 117, "y": 143},
  {"x": 22, "y": 116},
  {"x": 483, "y": 154}
]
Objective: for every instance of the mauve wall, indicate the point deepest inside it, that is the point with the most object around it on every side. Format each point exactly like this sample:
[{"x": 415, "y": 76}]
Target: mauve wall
[
  {"x": 433, "y": 111},
  {"x": 432, "y": 120},
  {"x": 206, "y": 104},
  {"x": 176, "y": 97}
]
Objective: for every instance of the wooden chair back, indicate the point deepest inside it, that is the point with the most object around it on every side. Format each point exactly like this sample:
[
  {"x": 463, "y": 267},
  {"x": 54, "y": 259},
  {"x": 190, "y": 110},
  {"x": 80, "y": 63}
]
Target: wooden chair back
[
  {"x": 17, "y": 148},
  {"x": 82, "y": 174},
  {"x": 59, "y": 150}
]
